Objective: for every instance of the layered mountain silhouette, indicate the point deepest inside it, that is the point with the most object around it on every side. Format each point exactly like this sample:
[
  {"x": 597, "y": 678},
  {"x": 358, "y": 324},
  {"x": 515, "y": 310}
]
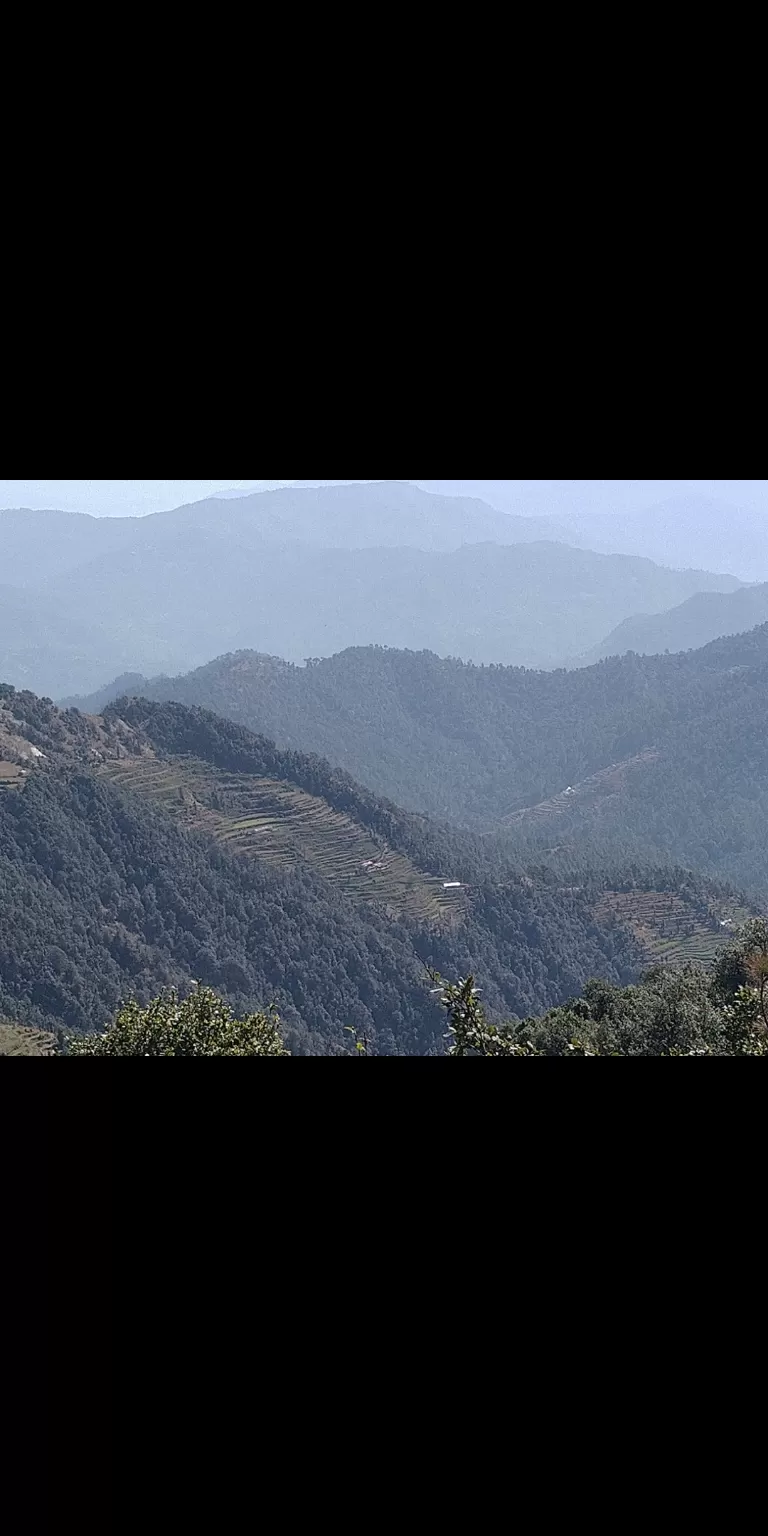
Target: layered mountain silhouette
[
  {"x": 680, "y": 531},
  {"x": 704, "y": 617},
  {"x": 636, "y": 757},
  {"x": 307, "y": 573}
]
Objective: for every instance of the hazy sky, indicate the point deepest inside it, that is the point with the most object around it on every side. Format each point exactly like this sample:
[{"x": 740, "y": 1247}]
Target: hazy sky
[
  {"x": 113, "y": 498},
  {"x": 556, "y": 497}
]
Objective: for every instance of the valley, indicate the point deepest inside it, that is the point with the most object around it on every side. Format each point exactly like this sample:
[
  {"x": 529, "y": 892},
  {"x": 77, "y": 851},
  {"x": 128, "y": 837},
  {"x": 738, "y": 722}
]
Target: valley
[
  {"x": 332, "y": 762},
  {"x": 158, "y": 844},
  {"x": 653, "y": 758}
]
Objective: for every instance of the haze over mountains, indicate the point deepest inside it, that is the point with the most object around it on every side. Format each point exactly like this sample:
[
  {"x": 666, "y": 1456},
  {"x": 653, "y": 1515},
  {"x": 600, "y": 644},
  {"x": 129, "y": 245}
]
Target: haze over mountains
[
  {"x": 679, "y": 530},
  {"x": 718, "y": 525},
  {"x": 304, "y": 573},
  {"x": 388, "y": 726},
  {"x": 706, "y": 616}
]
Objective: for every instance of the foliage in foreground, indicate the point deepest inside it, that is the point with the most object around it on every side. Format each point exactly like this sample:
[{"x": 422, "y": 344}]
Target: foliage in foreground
[
  {"x": 105, "y": 895},
  {"x": 201, "y": 1025},
  {"x": 671, "y": 1013}
]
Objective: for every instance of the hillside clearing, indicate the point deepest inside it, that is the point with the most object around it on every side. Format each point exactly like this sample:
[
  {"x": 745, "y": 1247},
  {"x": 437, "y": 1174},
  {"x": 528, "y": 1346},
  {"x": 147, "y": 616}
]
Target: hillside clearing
[
  {"x": 278, "y": 822},
  {"x": 16, "y": 1040},
  {"x": 608, "y": 781},
  {"x": 671, "y": 928}
]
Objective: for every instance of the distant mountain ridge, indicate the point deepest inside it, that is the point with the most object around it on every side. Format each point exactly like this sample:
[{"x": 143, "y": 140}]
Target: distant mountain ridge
[
  {"x": 678, "y": 530},
  {"x": 734, "y": 538},
  {"x": 702, "y": 618},
  {"x": 486, "y": 747},
  {"x": 308, "y": 573},
  {"x": 386, "y": 514}
]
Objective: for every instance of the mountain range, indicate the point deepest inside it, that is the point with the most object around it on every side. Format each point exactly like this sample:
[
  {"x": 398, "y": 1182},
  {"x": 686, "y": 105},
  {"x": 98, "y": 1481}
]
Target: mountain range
[
  {"x": 390, "y": 514},
  {"x": 337, "y": 806},
  {"x": 158, "y": 845},
  {"x": 660, "y": 757},
  {"x": 617, "y": 517},
  {"x": 678, "y": 530},
  {"x": 307, "y": 573},
  {"x": 702, "y": 618}
]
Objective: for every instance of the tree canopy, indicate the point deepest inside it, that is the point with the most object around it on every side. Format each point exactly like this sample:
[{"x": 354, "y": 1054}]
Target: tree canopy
[
  {"x": 685, "y": 1012},
  {"x": 669, "y": 754},
  {"x": 199, "y": 1025}
]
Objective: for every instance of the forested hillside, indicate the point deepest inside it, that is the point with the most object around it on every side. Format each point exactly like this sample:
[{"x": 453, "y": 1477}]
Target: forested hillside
[
  {"x": 642, "y": 757},
  {"x": 701, "y": 801},
  {"x": 112, "y": 887},
  {"x": 439, "y": 739},
  {"x": 687, "y": 1011}
]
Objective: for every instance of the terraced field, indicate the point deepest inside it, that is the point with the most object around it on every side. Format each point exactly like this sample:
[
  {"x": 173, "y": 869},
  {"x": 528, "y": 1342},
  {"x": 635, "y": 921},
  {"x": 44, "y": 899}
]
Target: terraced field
[
  {"x": 9, "y": 775},
  {"x": 670, "y": 929},
  {"x": 607, "y": 782},
  {"x": 276, "y": 821},
  {"x": 15, "y": 1040}
]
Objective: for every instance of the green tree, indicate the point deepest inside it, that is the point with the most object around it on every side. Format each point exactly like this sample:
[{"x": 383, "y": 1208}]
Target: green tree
[
  {"x": 741, "y": 987},
  {"x": 469, "y": 1031},
  {"x": 684, "y": 1012},
  {"x": 362, "y": 1045},
  {"x": 755, "y": 944},
  {"x": 200, "y": 1025}
]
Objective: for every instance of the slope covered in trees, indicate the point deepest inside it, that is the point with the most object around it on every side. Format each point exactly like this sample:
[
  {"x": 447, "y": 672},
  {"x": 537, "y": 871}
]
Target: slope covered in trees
[
  {"x": 645, "y": 758},
  {"x": 107, "y": 893},
  {"x": 104, "y": 897},
  {"x": 687, "y": 1012},
  {"x": 701, "y": 802}
]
